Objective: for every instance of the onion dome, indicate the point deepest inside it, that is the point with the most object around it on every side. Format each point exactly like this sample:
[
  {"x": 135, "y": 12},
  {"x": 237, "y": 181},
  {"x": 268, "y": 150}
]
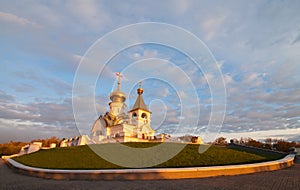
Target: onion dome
[{"x": 118, "y": 95}]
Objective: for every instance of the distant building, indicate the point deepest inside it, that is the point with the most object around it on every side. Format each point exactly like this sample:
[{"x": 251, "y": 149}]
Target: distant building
[
  {"x": 76, "y": 141},
  {"x": 197, "y": 140},
  {"x": 30, "y": 148},
  {"x": 53, "y": 145},
  {"x": 191, "y": 139}
]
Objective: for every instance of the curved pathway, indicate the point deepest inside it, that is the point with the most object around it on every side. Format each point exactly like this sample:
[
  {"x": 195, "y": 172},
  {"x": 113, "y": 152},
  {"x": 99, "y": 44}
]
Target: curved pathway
[{"x": 288, "y": 178}]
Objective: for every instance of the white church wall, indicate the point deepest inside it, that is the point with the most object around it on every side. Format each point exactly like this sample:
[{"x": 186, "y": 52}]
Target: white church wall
[{"x": 52, "y": 145}]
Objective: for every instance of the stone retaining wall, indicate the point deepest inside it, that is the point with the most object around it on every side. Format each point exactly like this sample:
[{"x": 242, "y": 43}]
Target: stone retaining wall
[{"x": 157, "y": 173}]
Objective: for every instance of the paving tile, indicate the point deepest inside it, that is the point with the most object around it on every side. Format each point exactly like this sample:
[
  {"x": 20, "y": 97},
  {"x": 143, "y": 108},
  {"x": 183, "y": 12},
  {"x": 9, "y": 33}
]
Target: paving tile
[{"x": 288, "y": 178}]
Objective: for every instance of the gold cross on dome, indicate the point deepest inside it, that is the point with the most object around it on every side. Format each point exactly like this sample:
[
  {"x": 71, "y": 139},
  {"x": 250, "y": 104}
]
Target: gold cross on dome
[{"x": 119, "y": 75}]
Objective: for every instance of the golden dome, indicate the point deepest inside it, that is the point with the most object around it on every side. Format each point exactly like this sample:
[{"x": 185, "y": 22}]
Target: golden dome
[{"x": 118, "y": 96}]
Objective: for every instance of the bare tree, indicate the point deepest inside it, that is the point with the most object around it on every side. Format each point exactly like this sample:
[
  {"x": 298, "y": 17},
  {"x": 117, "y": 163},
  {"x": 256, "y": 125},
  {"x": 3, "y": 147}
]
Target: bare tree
[{"x": 221, "y": 141}]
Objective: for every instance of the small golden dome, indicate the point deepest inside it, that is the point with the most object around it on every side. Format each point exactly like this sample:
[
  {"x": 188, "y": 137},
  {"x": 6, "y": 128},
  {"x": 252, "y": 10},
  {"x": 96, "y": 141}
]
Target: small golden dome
[{"x": 140, "y": 91}]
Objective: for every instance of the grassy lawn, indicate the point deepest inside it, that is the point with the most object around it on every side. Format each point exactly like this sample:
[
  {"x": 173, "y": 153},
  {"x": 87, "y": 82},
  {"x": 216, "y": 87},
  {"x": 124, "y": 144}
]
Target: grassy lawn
[
  {"x": 82, "y": 157},
  {"x": 268, "y": 156}
]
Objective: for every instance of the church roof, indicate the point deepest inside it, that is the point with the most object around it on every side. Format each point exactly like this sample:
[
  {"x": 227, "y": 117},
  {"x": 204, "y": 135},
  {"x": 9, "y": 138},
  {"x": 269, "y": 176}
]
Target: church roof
[{"x": 140, "y": 103}]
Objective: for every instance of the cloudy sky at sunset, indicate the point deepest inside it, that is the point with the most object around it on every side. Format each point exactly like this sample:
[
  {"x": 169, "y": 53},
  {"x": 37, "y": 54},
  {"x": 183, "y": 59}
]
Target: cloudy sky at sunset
[{"x": 256, "y": 45}]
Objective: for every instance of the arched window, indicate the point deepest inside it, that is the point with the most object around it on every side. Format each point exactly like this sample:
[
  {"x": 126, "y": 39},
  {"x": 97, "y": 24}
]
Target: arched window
[
  {"x": 134, "y": 115},
  {"x": 144, "y": 116}
]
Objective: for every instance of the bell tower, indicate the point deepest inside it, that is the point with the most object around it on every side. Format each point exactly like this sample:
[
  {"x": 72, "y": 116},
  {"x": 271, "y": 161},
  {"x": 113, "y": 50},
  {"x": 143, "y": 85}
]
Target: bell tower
[{"x": 139, "y": 114}]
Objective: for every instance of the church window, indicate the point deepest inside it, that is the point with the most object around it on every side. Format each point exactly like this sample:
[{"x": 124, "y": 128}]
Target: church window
[
  {"x": 134, "y": 115},
  {"x": 144, "y": 115}
]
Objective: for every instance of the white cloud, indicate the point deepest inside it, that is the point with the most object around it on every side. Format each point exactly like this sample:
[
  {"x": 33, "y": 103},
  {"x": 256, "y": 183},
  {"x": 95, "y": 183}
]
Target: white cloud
[
  {"x": 8, "y": 17},
  {"x": 89, "y": 13},
  {"x": 212, "y": 26},
  {"x": 163, "y": 92},
  {"x": 145, "y": 54},
  {"x": 253, "y": 79},
  {"x": 181, "y": 6},
  {"x": 286, "y": 134},
  {"x": 227, "y": 79}
]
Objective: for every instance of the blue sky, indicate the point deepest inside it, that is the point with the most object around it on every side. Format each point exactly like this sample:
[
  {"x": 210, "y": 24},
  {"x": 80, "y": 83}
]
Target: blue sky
[{"x": 256, "y": 45}]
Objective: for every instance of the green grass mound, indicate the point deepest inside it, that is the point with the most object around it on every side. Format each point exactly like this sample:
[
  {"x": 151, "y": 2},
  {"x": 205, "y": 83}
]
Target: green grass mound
[{"x": 82, "y": 157}]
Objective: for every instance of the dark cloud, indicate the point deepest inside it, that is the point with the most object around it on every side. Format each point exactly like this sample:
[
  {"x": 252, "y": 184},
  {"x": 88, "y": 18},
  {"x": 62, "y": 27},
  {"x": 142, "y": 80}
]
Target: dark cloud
[
  {"x": 46, "y": 119},
  {"x": 5, "y": 97}
]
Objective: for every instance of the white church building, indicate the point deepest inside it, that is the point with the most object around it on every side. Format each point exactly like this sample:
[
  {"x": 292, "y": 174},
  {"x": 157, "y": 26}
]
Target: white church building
[{"x": 117, "y": 125}]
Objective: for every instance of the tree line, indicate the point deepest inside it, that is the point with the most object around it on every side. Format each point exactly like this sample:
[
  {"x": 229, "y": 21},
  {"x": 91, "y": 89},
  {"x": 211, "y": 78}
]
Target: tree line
[
  {"x": 268, "y": 143},
  {"x": 15, "y": 147}
]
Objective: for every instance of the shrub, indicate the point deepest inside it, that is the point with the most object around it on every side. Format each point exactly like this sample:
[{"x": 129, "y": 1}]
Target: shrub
[{"x": 11, "y": 148}]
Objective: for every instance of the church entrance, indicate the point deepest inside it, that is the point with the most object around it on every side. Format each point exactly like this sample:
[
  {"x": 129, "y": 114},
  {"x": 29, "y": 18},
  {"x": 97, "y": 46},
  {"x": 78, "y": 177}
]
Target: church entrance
[{"x": 143, "y": 136}]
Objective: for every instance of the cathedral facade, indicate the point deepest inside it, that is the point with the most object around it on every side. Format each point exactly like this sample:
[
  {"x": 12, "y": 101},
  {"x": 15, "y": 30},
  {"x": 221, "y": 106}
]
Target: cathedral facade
[{"x": 117, "y": 125}]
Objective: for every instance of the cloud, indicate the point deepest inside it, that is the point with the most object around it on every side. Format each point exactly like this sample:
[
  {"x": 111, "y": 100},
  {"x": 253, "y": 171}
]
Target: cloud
[
  {"x": 11, "y": 18},
  {"x": 212, "y": 25},
  {"x": 6, "y": 97},
  {"x": 286, "y": 134},
  {"x": 296, "y": 40},
  {"x": 24, "y": 88},
  {"x": 38, "y": 112},
  {"x": 253, "y": 79},
  {"x": 256, "y": 46},
  {"x": 46, "y": 119},
  {"x": 88, "y": 13},
  {"x": 35, "y": 82},
  {"x": 27, "y": 130}
]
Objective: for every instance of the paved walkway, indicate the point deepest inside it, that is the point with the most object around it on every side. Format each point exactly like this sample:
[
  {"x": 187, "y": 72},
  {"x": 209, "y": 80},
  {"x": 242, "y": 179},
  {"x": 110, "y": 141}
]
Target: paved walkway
[{"x": 288, "y": 178}]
